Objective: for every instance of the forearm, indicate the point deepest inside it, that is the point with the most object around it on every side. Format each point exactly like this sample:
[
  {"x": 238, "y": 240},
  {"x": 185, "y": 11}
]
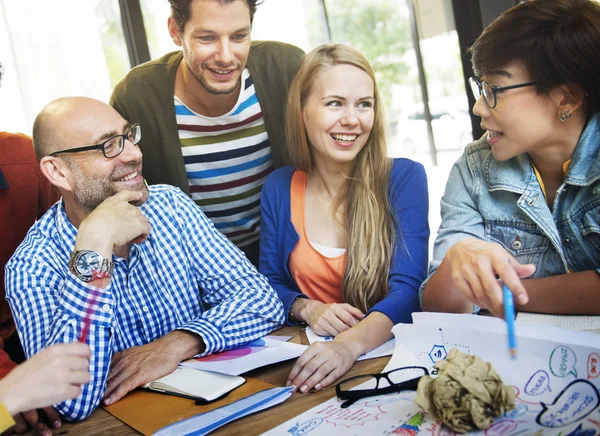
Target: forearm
[
  {"x": 62, "y": 323},
  {"x": 183, "y": 344},
  {"x": 569, "y": 294},
  {"x": 246, "y": 315},
  {"x": 440, "y": 294},
  {"x": 370, "y": 333}
]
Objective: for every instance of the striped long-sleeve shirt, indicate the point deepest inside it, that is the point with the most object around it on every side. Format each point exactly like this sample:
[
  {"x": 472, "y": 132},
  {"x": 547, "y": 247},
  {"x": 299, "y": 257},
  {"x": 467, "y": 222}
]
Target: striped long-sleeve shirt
[
  {"x": 226, "y": 160},
  {"x": 185, "y": 276}
]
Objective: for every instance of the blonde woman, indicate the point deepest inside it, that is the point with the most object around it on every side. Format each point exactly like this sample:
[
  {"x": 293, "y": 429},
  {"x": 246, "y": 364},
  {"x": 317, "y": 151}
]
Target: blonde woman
[{"x": 344, "y": 234}]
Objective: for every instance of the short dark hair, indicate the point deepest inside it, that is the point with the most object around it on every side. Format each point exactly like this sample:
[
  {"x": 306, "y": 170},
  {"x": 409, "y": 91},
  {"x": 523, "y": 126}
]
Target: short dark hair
[
  {"x": 180, "y": 10},
  {"x": 558, "y": 41}
]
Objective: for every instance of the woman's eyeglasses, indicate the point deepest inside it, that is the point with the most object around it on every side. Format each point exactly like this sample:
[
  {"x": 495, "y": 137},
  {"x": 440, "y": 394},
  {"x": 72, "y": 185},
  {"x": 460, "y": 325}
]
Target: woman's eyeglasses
[
  {"x": 400, "y": 379},
  {"x": 489, "y": 92}
]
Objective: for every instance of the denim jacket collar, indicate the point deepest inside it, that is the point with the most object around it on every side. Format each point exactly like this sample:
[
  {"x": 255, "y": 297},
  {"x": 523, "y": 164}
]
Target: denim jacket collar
[{"x": 516, "y": 174}]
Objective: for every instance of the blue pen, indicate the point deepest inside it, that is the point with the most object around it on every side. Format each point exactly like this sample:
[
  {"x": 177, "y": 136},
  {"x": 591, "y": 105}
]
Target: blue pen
[{"x": 509, "y": 316}]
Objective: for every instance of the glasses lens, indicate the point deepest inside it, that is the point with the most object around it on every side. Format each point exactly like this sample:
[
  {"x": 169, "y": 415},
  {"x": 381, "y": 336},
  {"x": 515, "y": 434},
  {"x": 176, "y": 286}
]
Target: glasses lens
[
  {"x": 113, "y": 146},
  {"x": 488, "y": 94},
  {"x": 356, "y": 383},
  {"x": 134, "y": 134},
  {"x": 475, "y": 88},
  {"x": 401, "y": 375}
]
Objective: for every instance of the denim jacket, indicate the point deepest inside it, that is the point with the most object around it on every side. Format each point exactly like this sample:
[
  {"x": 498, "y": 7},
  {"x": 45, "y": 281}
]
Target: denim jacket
[{"x": 503, "y": 202}]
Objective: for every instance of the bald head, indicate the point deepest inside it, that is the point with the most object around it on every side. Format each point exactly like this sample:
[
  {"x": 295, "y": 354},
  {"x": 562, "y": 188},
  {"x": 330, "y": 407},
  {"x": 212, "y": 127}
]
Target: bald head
[{"x": 68, "y": 122}]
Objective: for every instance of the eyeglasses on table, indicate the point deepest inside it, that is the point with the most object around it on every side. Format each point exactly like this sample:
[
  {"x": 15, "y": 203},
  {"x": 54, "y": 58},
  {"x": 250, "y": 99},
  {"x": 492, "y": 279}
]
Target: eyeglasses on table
[{"x": 399, "y": 379}]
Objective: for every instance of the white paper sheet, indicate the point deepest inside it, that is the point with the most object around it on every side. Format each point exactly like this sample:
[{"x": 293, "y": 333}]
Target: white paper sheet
[
  {"x": 492, "y": 324},
  {"x": 556, "y": 383},
  {"x": 386, "y": 349},
  {"x": 258, "y": 353}
]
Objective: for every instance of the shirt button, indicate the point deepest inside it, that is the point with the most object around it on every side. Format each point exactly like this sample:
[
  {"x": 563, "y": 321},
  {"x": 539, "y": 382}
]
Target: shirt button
[
  {"x": 145, "y": 309},
  {"x": 516, "y": 244},
  {"x": 566, "y": 241},
  {"x": 105, "y": 308}
]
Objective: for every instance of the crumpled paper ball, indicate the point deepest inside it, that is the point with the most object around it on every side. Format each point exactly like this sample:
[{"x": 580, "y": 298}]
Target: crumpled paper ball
[{"x": 468, "y": 393}]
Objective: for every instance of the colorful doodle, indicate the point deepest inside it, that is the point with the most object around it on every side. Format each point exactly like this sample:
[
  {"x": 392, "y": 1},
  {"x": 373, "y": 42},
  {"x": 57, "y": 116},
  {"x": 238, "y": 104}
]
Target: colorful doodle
[
  {"x": 251, "y": 348},
  {"x": 538, "y": 383},
  {"x": 410, "y": 427},
  {"x": 562, "y": 361},
  {"x": 303, "y": 428},
  {"x": 593, "y": 366},
  {"x": 575, "y": 402},
  {"x": 579, "y": 431},
  {"x": 520, "y": 410},
  {"x": 437, "y": 353}
]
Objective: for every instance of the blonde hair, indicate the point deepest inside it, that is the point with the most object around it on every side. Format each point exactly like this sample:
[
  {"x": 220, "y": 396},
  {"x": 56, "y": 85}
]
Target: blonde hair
[{"x": 368, "y": 218}]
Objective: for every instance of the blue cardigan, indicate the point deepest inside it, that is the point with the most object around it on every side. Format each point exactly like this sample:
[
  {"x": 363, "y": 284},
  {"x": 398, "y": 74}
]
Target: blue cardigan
[{"x": 407, "y": 191}]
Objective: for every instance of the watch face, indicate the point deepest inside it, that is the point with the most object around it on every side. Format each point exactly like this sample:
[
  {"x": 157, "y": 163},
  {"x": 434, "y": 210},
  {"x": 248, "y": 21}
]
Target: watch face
[{"x": 86, "y": 262}]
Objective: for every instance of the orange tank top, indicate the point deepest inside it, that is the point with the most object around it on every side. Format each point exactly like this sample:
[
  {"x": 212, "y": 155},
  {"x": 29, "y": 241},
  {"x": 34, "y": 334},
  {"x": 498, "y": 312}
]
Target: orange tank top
[{"x": 319, "y": 277}]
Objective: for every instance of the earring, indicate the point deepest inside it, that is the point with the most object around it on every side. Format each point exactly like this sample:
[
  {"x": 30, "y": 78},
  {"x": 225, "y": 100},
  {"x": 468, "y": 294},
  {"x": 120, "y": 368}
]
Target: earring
[{"x": 563, "y": 116}]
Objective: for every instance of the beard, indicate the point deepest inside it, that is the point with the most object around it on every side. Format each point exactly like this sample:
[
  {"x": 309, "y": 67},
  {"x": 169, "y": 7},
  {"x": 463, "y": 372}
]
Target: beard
[
  {"x": 90, "y": 192},
  {"x": 207, "y": 85}
]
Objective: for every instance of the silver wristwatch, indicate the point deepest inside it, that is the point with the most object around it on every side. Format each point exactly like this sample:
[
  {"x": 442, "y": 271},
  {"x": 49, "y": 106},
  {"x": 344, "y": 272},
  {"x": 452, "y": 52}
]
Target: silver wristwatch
[{"x": 88, "y": 265}]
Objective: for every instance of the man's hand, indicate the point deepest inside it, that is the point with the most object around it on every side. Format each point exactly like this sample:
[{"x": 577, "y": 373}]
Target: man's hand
[
  {"x": 322, "y": 364},
  {"x": 476, "y": 266},
  {"x": 115, "y": 223},
  {"x": 137, "y": 366},
  {"x": 328, "y": 319}
]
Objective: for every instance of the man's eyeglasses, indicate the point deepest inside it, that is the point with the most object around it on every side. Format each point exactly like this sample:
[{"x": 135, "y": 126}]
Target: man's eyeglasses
[
  {"x": 113, "y": 146},
  {"x": 400, "y": 379},
  {"x": 490, "y": 92}
]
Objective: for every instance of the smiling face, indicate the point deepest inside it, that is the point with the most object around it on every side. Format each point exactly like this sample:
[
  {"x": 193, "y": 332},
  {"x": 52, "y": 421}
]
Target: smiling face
[
  {"x": 523, "y": 121},
  {"x": 339, "y": 114},
  {"x": 93, "y": 178},
  {"x": 215, "y": 42}
]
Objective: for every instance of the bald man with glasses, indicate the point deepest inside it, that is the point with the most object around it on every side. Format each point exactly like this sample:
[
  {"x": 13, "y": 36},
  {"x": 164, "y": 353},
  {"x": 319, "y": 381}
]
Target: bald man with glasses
[{"x": 141, "y": 270}]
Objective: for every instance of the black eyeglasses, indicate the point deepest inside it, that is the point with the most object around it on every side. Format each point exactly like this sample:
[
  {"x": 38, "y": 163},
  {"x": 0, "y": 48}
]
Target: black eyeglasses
[
  {"x": 400, "y": 379},
  {"x": 490, "y": 92},
  {"x": 113, "y": 146}
]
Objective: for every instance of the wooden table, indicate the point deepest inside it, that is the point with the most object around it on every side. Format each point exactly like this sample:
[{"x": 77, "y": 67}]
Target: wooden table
[{"x": 102, "y": 422}]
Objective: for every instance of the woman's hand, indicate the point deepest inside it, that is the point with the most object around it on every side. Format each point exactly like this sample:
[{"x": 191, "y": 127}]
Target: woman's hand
[
  {"x": 477, "y": 267},
  {"x": 53, "y": 375},
  {"x": 322, "y": 364},
  {"x": 328, "y": 319}
]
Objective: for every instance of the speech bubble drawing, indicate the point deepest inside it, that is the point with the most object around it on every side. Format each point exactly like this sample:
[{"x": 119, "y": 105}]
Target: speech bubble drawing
[
  {"x": 593, "y": 366},
  {"x": 562, "y": 361},
  {"x": 538, "y": 383},
  {"x": 519, "y": 410},
  {"x": 502, "y": 428},
  {"x": 575, "y": 402},
  {"x": 300, "y": 429}
]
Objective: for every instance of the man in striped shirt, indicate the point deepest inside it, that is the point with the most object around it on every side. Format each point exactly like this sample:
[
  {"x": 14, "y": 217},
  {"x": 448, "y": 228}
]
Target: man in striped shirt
[
  {"x": 138, "y": 273},
  {"x": 212, "y": 113}
]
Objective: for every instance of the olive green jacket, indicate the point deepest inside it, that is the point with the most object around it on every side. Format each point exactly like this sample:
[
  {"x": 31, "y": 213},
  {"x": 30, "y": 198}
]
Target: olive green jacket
[{"x": 145, "y": 96}]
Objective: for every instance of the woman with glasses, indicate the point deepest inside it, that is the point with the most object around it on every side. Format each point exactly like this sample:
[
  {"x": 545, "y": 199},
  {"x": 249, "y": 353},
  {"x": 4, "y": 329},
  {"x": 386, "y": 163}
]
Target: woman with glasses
[
  {"x": 522, "y": 205},
  {"x": 344, "y": 233}
]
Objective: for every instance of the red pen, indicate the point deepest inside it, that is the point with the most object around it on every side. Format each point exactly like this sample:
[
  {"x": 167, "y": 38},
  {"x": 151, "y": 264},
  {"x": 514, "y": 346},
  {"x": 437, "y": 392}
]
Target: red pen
[{"x": 87, "y": 318}]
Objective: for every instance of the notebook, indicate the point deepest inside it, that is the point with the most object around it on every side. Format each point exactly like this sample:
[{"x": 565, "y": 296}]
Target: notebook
[{"x": 194, "y": 383}]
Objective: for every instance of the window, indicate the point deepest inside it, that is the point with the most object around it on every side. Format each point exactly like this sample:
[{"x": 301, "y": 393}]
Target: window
[{"x": 67, "y": 47}]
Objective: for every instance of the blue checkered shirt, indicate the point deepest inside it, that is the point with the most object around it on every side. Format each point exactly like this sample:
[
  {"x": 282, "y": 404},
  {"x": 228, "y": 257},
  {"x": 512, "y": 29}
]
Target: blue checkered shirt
[{"x": 185, "y": 276}]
